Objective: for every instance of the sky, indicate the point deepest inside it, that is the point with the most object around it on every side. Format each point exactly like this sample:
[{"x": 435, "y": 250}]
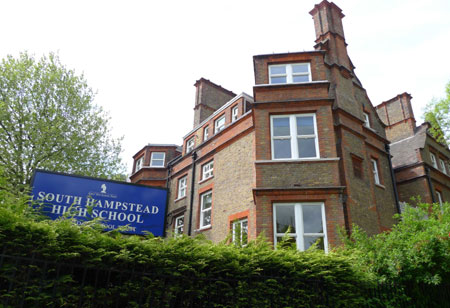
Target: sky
[{"x": 142, "y": 58}]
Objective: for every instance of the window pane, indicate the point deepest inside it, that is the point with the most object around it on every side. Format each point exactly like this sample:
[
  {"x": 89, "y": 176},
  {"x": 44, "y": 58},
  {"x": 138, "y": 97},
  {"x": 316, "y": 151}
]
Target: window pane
[
  {"x": 312, "y": 219},
  {"x": 277, "y": 70},
  {"x": 206, "y": 201},
  {"x": 300, "y": 78},
  {"x": 306, "y": 147},
  {"x": 290, "y": 242},
  {"x": 309, "y": 240},
  {"x": 285, "y": 218},
  {"x": 281, "y": 127},
  {"x": 305, "y": 125},
  {"x": 157, "y": 163},
  {"x": 300, "y": 68},
  {"x": 244, "y": 232},
  {"x": 206, "y": 218},
  {"x": 282, "y": 148},
  {"x": 157, "y": 155},
  {"x": 277, "y": 79}
]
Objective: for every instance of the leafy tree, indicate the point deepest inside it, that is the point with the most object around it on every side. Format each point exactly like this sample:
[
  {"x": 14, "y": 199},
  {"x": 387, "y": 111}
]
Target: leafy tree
[
  {"x": 417, "y": 250},
  {"x": 437, "y": 112},
  {"x": 48, "y": 120}
]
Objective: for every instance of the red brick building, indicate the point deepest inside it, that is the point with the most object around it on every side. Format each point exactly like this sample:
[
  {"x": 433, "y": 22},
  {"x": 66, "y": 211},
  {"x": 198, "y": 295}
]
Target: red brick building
[
  {"x": 421, "y": 164},
  {"x": 306, "y": 154}
]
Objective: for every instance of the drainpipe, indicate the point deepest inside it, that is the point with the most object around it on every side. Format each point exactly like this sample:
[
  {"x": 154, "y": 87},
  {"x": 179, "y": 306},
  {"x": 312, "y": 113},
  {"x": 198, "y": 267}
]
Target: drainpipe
[
  {"x": 394, "y": 184},
  {"x": 169, "y": 168},
  {"x": 191, "y": 205},
  {"x": 430, "y": 185}
]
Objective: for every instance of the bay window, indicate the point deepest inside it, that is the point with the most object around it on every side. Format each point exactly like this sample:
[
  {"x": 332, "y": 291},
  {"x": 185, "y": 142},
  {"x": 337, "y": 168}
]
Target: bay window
[
  {"x": 303, "y": 223},
  {"x": 294, "y": 136},
  {"x": 139, "y": 164}
]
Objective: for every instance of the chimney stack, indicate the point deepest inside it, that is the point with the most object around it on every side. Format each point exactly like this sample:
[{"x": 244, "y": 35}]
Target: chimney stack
[
  {"x": 330, "y": 33},
  {"x": 397, "y": 114},
  {"x": 209, "y": 97}
]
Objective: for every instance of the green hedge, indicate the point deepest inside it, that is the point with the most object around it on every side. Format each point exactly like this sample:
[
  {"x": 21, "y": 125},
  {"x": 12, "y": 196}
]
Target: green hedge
[{"x": 176, "y": 269}]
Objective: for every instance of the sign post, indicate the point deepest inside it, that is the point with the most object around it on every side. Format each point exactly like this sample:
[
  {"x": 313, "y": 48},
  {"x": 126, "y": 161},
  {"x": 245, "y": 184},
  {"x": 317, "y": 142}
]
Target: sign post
[{"x": 136, "y": 208}]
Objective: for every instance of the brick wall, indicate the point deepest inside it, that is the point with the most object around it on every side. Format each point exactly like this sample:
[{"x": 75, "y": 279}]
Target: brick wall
[{"x": 233, "y": 183}]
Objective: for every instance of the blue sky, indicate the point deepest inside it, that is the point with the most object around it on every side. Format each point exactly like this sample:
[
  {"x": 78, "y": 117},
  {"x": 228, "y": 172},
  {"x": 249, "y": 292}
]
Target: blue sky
[{"x": 143, "y": 57}]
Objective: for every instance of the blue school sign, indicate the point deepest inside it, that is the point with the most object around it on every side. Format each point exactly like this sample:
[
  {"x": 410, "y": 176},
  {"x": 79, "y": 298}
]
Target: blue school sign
[{"x": 136, "y": 208}]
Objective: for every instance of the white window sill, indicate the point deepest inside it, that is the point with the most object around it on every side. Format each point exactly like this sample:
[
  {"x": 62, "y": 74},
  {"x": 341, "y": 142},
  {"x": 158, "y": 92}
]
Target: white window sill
[
  {"x": 204, "y": 228},
  {"x": 156, "y": 167},
  {"x": 298, "y": 160},
  {"x": 205, "y": 180},
  {"x": 290, "y": 83},
  {"x": 178, "y": 199}
]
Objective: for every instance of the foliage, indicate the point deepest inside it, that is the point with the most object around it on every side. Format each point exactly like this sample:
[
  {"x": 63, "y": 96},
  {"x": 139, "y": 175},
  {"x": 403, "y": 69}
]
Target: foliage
[
  {"x": 437, "y": 112},
  {"x": 48, "y": 121},
  {"x": 255, "y": 275},
  {"x": 417, "y": 250}
]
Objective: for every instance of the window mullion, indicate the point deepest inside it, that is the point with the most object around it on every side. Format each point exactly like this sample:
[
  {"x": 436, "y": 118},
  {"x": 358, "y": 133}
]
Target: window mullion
[
  {"x": 324, "y": 229},
  {"x": 293, "y": 129},
  {"x": 289, "y": 73},
  {"x": 299, "y": 226}
]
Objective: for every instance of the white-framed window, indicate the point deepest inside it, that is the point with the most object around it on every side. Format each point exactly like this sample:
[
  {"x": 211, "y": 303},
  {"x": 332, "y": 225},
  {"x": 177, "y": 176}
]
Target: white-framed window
[
  {"x": 219, "y": 124},
  {"x": 157, "y": 159},
  {"x": 442, "y": 166},
  {"x": 303, "y": 223},
  {"x": 182, "y": 186},
  {"x": 289, "y": 73},
  {"x": 376, "y": 175},
  {"x": 190, "y": 145},
  {"x": 240, "y": 232},
  {"x": 234, "y": 113},
  {"x": 179, "y": 225},
  {"x": 207, "y": 170},
  {"x": 206, "y": 133},
  {"x": 366, "y": 119},
  {"x": 433, "y": 160},
  {"x": 139, "y": 164},
  {"x": 205, "y": 209},
  {"x": 294, "y": 136}
]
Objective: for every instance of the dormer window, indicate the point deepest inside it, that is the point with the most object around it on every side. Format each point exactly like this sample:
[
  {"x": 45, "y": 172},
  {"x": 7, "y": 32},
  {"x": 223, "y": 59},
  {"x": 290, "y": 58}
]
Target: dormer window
[
  {"x": 234, "y": 113},
  {"x": 219, "y": 124},
  {"x": 289, "y": 73},
  {"x": 139, "y": 164},
  {"x": 366, "y": 119},
  {"x": 157, "y": 159},
  {"x": 190, "y": 145},
  {"x": 206, "y": 133}
]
